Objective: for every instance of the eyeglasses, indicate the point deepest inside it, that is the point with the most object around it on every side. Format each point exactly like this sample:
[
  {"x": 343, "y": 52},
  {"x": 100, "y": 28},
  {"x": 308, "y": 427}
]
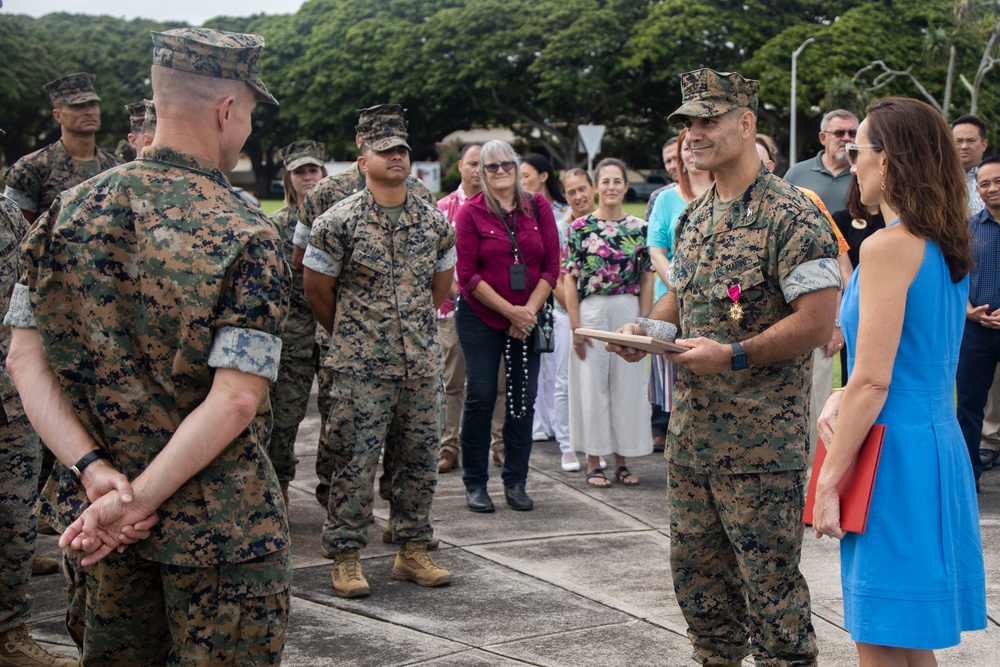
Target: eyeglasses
[
  {"x": 852, "y": 151},
  {"x": 493, "y": 168},
  {"x": 840, "y": 133}
]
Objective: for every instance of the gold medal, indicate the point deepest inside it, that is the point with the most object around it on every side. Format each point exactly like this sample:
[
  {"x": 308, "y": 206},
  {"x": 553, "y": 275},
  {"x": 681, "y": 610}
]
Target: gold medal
[{"x": 735, "y": 311}]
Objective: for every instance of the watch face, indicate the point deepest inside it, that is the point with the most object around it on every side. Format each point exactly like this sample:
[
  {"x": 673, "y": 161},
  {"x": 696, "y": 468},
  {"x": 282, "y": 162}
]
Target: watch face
[{"x": 739, "y": 362}]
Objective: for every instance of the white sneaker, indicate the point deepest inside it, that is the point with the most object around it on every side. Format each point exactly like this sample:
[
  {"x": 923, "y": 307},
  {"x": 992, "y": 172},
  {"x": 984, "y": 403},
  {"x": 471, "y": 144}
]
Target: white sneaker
[
  {"x": 540, "y": 436},
  {"x": 569, "y": 462}
]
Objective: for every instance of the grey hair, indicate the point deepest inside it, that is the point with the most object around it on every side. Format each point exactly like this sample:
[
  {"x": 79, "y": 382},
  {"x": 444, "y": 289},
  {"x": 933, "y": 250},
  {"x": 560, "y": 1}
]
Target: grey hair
[
  {"x": 836, "y": 113},
  {"x": 494, "y": 151}
]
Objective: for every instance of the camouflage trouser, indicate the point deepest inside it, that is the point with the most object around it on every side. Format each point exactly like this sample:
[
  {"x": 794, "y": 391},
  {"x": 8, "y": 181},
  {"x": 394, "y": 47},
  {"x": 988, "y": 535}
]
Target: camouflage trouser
[
  {"x": 125, "y": 611},
  {"x": 735, "y": 544},
  {"x": 289, "y": 399},
  {"x": 324, "y": 457},
  {"x": 20, "y": 456},
  {"x": 405, "y": 417}
]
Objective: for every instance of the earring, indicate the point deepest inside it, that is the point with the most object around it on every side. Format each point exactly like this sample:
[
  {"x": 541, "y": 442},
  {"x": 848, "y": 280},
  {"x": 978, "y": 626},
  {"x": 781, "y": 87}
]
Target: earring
[{"x": 881, "y": 172}]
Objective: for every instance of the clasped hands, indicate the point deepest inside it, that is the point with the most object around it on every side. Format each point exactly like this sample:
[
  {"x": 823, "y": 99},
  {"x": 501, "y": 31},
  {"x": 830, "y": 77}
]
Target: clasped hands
[
  {"x": 522, "y": 322},
  {"x": 114, "y": 519}
]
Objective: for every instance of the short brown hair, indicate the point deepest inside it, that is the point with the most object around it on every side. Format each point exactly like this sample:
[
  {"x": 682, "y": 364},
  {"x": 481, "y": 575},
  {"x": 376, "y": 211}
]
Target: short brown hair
[{"x": 924, "y": 181}]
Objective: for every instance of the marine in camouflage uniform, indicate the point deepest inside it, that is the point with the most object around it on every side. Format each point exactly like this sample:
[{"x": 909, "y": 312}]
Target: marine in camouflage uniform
[
  {"x": 738, "y": 435},
  {"x": 330, "y": 191},
  {"x": 385, "y": 359},
  {"x": 34, "y": 181},
  {"x": 157, "y": 297},
  {"x": 299, "y": 350},
  {"x": 20, "y": 459}
]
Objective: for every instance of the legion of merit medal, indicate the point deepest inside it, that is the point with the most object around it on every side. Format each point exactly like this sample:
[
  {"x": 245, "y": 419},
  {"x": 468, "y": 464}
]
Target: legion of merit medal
[{"x": 735, "y": 309}]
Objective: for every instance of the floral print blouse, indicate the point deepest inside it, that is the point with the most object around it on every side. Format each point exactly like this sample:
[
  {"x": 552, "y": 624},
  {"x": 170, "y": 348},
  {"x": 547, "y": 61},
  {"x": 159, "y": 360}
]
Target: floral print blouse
[{"x": 606, "y": 257}]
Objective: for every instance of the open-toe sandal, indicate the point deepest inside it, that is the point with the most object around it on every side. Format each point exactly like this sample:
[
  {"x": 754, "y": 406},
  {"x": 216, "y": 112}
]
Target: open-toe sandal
[
  {"x": 597, "y": 479},
  {"x": 625, "y": 478}
]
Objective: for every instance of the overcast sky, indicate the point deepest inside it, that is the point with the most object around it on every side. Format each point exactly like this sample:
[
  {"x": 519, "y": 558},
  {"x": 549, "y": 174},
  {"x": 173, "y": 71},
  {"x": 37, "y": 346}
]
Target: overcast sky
[{"x": 194, "y": 12}]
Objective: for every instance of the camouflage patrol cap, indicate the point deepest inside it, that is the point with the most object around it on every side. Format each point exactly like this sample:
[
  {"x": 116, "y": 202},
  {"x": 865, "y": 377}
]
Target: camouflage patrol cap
[
  {"x": 215, "y": 53},
  {"x": 301, "y": 153},
  {"x": 707, "y": 93},
  {"x": 141, "y": 112},
  {"x": 382, "y": 126},
  {"x": 73, "y": 89}
]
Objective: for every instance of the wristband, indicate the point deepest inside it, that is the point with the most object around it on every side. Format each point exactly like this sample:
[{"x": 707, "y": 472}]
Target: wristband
[{"x": 88, "y": 458}]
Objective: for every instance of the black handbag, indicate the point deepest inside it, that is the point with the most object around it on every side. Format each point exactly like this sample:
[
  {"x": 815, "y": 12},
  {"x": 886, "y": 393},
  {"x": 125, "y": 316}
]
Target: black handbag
[{"x": 543, "y": 335}]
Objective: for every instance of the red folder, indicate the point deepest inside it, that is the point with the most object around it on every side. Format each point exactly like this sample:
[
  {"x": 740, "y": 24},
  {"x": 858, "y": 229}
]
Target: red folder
[{"x": 856, "y": 487}]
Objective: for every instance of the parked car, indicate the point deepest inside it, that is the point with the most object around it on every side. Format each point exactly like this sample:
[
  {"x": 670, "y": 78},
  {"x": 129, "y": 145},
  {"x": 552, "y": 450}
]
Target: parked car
[{"x": 641, "y": 190}]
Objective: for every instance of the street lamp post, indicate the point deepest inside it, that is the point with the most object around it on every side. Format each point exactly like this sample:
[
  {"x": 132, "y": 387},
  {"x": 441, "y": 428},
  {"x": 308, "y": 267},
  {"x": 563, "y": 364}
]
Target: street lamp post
[{"x": 795, "y": 66}]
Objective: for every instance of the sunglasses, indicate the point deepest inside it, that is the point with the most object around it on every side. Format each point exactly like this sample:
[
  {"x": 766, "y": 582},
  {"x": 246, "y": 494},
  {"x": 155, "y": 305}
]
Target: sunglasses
[
  {"x": 493, "y": 168},
  {"x": 853, "y": 150},
  {"x": 840, "y": 133}
]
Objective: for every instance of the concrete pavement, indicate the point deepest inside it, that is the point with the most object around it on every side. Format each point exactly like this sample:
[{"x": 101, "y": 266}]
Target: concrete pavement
[{"x": 582, "y": 580}]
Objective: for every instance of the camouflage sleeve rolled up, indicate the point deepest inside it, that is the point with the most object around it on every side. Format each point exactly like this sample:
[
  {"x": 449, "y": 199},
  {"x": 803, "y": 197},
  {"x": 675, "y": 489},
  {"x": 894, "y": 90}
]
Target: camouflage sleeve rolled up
[
  {"x": 252, "y": 312},
  {"x": 807, "y": 254},
  {"x": 329, "y": 242},
  {"x": 447, "y": 256},
  {"x": 24, "y": 185}
]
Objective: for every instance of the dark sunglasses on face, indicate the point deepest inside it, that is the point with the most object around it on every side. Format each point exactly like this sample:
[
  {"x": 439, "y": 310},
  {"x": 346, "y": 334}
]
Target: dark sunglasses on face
[
  {"x": 840, "y": 133},
  {"x": 506, "y": 165}
]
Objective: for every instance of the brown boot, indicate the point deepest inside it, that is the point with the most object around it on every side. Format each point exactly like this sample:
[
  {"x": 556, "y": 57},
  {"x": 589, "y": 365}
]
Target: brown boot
[
  {"x": 43, "y": 565},
  {"x": 347, "y": 578},
  {"x": 433, "y": 544},
  {"x": 448, "y": 461},
  {"x": 18, "y": 649},
  {"x": 45, "y": 529},
  {"x": 284, "y": 493},
  {"x": 413, "y": 564}
]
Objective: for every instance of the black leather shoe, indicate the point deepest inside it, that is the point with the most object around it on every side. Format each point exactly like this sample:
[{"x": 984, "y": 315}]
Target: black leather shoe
[
  {"x": 517, "y": 499},
  {"x": 479, "y": 500},
  {"x": 988, "y": 457}
]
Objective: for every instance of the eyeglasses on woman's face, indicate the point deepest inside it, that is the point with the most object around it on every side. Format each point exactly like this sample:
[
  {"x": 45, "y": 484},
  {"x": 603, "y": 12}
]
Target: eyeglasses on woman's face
[
  {"x": 854, "y": 150},
  {"x": 494, "y": 167}
]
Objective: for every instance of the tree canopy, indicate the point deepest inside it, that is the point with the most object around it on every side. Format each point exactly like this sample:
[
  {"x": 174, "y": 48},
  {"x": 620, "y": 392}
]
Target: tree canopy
[{"x": 538, "y": 67}]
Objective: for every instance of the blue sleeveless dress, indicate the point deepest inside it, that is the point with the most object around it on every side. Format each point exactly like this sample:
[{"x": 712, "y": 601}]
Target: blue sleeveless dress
[{"x": 915, "y": 579}]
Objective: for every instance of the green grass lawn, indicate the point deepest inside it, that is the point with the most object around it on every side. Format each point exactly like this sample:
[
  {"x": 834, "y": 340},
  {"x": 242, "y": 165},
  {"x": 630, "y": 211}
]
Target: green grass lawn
[{"x": 269, "y": 206}]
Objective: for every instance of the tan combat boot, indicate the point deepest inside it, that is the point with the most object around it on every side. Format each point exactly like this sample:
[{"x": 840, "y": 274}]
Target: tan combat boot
[
  {"x": 413, "y": 564},
  {"x": 18, "y": 649},
  {"x": 284, "y": 493},
  {"x": 347, "y": 578},
  {"x": 42, "y": 565}
]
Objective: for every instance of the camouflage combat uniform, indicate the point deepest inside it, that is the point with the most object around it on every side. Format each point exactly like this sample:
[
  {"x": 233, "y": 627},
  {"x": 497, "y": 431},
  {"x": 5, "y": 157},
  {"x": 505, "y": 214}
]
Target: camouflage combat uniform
[
  {"x": 20, "y": 454},
  {"x": 738, "y": 439},
  {"x": 299, "y": 359},
  {"x": 169, "y": 275},
  {"x": 385, "y": 360},
  {"x": 330, "y": 191},
  {"x": 34, "y": 181}
]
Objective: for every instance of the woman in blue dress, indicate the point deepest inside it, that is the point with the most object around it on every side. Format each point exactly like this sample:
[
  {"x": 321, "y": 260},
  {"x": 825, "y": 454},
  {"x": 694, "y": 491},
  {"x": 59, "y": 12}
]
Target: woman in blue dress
[{"x": 914, "y": 581}]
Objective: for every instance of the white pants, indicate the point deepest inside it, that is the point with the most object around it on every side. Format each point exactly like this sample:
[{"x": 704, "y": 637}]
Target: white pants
[
  {"x": 822, "y": 387},
  {"x": 608, "y": 410},
  {"x": 552, "y": 400}
]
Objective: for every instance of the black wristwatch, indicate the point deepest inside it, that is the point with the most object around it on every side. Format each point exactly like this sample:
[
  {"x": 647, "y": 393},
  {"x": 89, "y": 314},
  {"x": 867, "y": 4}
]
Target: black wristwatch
[
  {"x": 88, "y": 458},
  {"x": 739, "y": 362}
]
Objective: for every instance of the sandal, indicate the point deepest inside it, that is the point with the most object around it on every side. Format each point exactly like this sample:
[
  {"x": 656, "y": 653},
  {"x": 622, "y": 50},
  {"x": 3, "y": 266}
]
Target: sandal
[
  {"x": 597, "y": 479},
  {"x": 623, "y": 475}
]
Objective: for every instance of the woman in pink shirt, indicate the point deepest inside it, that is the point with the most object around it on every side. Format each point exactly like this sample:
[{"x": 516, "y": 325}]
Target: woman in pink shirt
[{"x": 508, "y": 262}]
